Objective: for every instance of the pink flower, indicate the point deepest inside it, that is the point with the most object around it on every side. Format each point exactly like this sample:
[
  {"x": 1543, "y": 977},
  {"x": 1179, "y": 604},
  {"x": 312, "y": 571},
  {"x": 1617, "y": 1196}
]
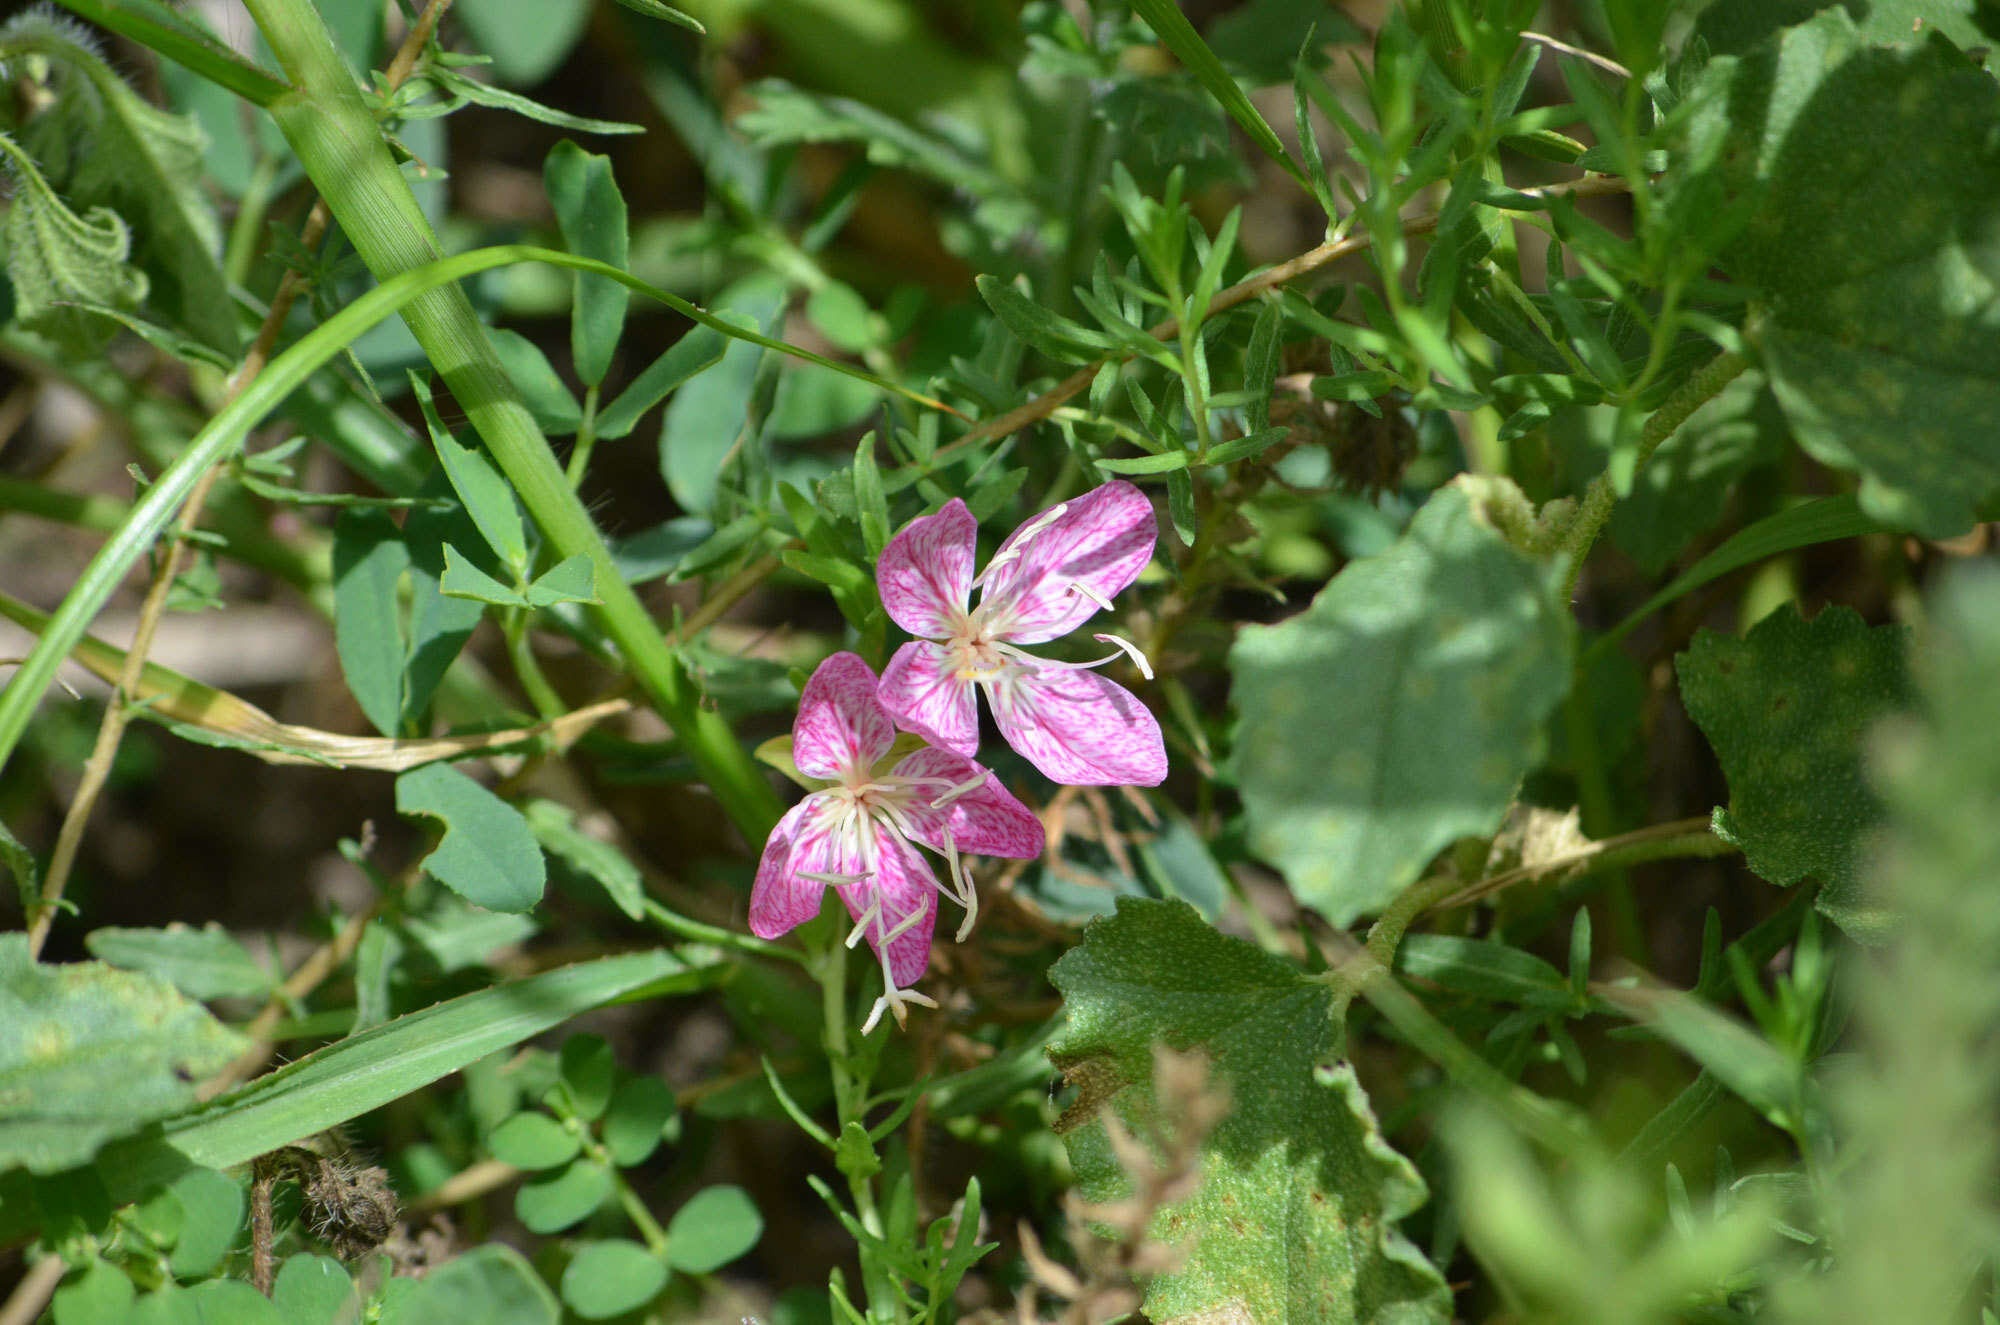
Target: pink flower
[
  {"x": 857, "y": 832},
  {"x": 1050, "y": 577}
]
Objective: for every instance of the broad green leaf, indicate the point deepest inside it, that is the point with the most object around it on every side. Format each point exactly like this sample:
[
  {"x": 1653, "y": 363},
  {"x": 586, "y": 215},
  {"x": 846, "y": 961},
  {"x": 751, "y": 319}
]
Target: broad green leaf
[
  {"x": 1734, "y": 28},
  {"x": 1398, "y": 712},
  {"x": 101, "y": 1295},
  {"x": 1875, "y": 172},
  {"x": 709, "y": 415},
  {"x": 610, "y": 1278},
  {"x": 311, "y": 1290},
  {"x": 487, "y": 495},
  {"x": 658, "y": 551},
  {"x": 492, "y": 1284},
  {"x": 588, "y": 1071},
  {"x": 1295, "y": 1218},
  {"x": 1680, "y": 493},
  {"x": 91, "y": 1053},
  {"x": 211, "y": 1213},
  {"x": 439, "y": 626},
  {"x": 369, "y": 558},
  {"x": 533, "y": 1141},
  {"x": 462, "y": 579},
  {"x": 840, "y": 312},
  {"x": 523, "y": 53},
  {"x": 555, "y": 828},
  {"x": 120, "y": 152},
  {"x": 227, "y": 1302},
  {"x": 487, "y": 855},
  {"x": 570, "y": 580},
  {"x": 202, "y": 963},
  {"x": 636, "y": 1118},
  {"x": 563, "y": 1199},
  {"x": 542, "y": 388},
  {"x": 1788, "y": 708},
  {"x": 717, "y": 1225},
  {"x": 591, "y": 214},
  {"x": 701, "y": 348},
  {"x": 360, "y": 1073}
]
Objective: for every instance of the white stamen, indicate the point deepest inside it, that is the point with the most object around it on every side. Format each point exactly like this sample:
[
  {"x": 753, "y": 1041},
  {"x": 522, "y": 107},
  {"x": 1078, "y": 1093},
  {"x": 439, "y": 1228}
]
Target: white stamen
[
  {"x": 833, "y": 880},
  {"x": 965, "y": 788},
  {"x": 1079, "y": 587},
  {"x": 1018, "y": 544},
  {"x": 1130, "y": 650},
  {"x": 965, "y": 895}
]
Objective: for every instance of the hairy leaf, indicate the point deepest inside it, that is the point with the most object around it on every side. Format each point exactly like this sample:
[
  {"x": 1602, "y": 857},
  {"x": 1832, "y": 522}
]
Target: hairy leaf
[{"x": 1295, "y": 1216}]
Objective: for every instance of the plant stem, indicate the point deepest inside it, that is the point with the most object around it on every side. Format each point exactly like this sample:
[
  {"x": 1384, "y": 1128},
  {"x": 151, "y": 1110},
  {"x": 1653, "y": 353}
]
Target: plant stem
[
  {"x": 826, "y": 958},
  {"x": 330, "y": 127}
]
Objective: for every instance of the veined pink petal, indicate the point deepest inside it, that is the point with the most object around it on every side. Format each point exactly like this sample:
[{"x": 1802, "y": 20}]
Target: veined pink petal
[
  {"x": 841, "y": 724},
  {"x": 801, "y": 843},
  {"x": 925, "y": 696},
  {"x": 1102, "y": 540},
  {"x": 925, "y": 574},
  {"x": 904, "y": 886},
  {"x": 987, "y": 821},
  {"x": 1077, "y": 727}
]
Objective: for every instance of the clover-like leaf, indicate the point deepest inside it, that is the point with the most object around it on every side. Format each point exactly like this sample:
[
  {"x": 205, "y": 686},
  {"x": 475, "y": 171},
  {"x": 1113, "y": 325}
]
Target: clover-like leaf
[
  {"x": 1295, "y": 1216},
  {"x": 1787, "y": 708},
  {"x": 1397, "y": 713}
]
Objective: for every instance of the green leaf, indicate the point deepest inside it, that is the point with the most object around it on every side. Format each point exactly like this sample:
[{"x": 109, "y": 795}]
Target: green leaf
[
  {"x": 1680, "y": 493},
  {"x": 870, "y": 498},
  {"x": 1481, "y": 967},
  {"x": 68, "y": 271},
  {"x": 1062, "y": 339},
  {"x": 1397, "y": 713},
  {"x": 1147, "y": 464},
  {"x": 554, "y": 827},
  {"x": 1788, "y": 708},
  {"x": 1164, "y": 17},
  {"x": 609, "y": 1278},
  {"x": 701, "y": 348},
  {"x": 462, "y": 579},
  {"x": 492, "y": 1284},
  {"x": 126, "y": 155},
  {"x": 534, "y": 1141},
  {"x": 524, "y": 53},
  {"x": 487, "y": 855},
  {"x": 369, "y": 559},
  {"x": 487, "y": 495},
  {"x": 91, "y": 1053},
  {"x": 654, "y": 9},
  {"x": 561, "y": 1200},
  {"x": 101, "y": 1295},
  {"x": 227, "y": 1302},
  {"x": 591, "y": 214},
  {"x": 840, "y": 312},
  {"x": 636, "y": 1119},
  {"x": 708, "y": 416},
  {"x": 588, "y": 1071},
  {"x": 22, "y": 865},
  {"x": 211, "y": 1213},
  {"x": 439, "y": 626},
  {"x": 717, "y": 1225},
  {"x": 347, "y": 1079},
  {"x": 542, "y": 388},
  {"x": 571, "y": 580},
  {"x": 1876, "y": 172},
  {"x": 202, "y": 963},
  {"x": 1295, "y": 1218},
  {"x": 311, "y": 1290}
]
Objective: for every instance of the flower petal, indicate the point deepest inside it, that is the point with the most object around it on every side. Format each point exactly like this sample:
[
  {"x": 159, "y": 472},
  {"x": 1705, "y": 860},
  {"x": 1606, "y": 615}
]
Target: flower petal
[
  {"x": 987, "y": 821},
  {"x": 841, "y": 724},
  {"x": 801, "y": 843},
  {"x": 1077, "y": 727},
  {"x": 925, "y": 696},
  {"x": 1101, "y": 541},
  {"x": 925, "y": 574},
  {"x": 904, "y": 885}
]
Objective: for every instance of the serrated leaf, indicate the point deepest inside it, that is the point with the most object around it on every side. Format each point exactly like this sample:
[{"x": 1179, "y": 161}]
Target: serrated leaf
[
  {"x": 1295, "y": 1217},
  {"x": 1397, "y": 712},
  {"x": 591, "y": 214},
  {"x": 1875, "y": 172},
  {"x": 1787, "y": 708},
  {"x": 487, "y": 855},
  {"x": 92, "y": 1053},
  {"x": 202, "y": 963}
]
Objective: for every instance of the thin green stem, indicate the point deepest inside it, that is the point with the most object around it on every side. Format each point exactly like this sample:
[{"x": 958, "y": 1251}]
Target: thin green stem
[
  {"x": 527, "y": 668},
  {"x": 826, "y": 958},
  {"x": 586, "y": 439},
  {"x": 675, "y": 923}
]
